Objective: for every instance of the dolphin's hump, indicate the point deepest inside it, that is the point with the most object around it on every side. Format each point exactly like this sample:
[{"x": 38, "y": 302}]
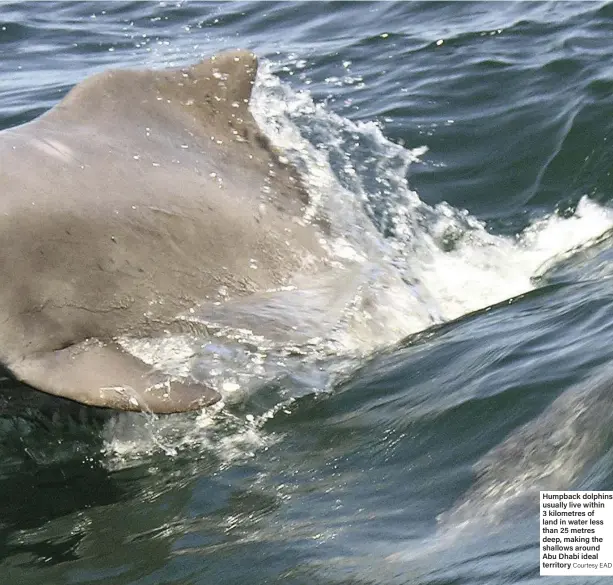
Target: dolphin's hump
[
  {"x": 221, "y": 84},
  {"x": 208, "y": 100}
]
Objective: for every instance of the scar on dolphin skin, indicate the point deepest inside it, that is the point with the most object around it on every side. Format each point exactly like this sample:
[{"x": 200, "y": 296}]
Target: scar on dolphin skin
[{"x": 137, "y": 197}]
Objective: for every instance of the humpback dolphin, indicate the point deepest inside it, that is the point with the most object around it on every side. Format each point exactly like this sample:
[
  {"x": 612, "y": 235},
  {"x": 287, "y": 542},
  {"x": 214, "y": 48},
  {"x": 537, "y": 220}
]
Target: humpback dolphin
[{"x": 138, "y": 196}]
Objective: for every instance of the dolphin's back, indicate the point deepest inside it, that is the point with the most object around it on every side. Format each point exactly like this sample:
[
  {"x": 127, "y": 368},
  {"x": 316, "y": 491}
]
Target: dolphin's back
[{"x": 138, "y": 196}]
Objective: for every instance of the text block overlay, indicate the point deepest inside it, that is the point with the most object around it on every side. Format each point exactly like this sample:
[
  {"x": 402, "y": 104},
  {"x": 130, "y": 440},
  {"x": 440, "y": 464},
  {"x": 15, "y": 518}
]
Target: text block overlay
[{"x": 576, "y": 533}]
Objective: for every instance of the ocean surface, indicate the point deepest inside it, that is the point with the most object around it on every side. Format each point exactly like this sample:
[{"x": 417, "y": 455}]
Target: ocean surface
[{"x": 464, "y": 149}]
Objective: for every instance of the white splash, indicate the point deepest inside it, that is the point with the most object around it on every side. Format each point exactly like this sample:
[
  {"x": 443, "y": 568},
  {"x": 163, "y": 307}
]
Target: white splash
[
  {"x": 454, "y": 265},
  {"x": 131, "y": 437},
  {"x": 433, "y": 264}
]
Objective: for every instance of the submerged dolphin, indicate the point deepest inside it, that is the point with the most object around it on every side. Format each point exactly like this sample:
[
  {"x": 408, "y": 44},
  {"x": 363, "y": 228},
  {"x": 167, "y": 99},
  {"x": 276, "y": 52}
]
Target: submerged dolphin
[{"x": 141, "y": 194}]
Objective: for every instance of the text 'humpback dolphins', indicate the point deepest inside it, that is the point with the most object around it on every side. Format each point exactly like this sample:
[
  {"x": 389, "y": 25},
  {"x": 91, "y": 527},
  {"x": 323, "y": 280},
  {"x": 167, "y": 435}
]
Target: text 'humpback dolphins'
[{"x": 138, "y": 196}]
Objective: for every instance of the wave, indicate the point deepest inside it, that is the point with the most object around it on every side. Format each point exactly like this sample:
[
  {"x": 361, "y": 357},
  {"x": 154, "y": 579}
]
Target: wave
[{"x": 407, "y": 266}]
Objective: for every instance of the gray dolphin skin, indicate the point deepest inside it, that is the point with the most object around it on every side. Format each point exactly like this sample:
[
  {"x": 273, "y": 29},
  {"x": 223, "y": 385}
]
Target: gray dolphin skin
[{"x": 137, "y": 197}]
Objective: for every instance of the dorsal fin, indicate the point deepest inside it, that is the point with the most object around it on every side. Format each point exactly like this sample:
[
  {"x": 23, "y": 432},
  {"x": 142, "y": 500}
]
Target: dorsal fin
[
  {"x": 220, "y": 84},
  {"x": 223, "y": 82},
  {"x": 207, "y": 100}
]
